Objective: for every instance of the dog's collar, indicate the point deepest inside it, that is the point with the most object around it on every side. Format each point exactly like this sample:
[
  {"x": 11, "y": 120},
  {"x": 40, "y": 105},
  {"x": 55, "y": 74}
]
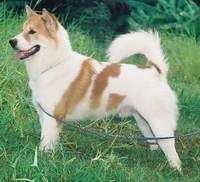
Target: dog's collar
[{"x": 50, "y": 68}]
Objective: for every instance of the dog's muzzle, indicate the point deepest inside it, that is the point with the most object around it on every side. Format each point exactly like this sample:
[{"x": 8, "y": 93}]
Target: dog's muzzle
[{"x": 23, "y": 54}]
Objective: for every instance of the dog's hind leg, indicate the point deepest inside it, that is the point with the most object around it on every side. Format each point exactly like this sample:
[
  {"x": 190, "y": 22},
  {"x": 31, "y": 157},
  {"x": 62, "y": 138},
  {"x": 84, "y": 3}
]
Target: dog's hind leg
[
  {"x": 159, "y": 124},
  {"x": 161, "y": 128},
  {"x": 129, "y": 110},
  {"x": 146, "y": 131}
]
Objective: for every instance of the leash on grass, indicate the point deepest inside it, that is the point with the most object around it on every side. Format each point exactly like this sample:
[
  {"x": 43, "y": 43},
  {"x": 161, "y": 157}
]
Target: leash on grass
[{"x": 123, "y": 137}]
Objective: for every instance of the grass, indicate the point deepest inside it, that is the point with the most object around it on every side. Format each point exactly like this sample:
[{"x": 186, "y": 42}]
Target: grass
[{"x": 85, "y": 158}]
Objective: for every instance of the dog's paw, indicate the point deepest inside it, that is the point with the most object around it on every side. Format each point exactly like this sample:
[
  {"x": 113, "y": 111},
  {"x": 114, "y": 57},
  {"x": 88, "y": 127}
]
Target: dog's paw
[
  {"x": 176, "y": 164},
  {"x": 47, "y": 146},
  {"x": 154, "y": 147}
]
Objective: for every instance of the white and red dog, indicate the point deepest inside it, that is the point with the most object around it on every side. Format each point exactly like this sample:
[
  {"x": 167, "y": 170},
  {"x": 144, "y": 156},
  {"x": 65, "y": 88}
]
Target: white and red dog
[{"x": 72, "y": 86}]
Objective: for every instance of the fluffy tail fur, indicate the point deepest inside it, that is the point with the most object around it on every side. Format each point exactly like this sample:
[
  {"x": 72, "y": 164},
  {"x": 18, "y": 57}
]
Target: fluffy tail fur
[{"x": 141, "y": 42}]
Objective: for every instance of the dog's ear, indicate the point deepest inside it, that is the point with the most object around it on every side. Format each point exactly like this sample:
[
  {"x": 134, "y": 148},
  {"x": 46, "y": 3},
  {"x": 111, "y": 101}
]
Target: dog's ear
[
  {"x": 29, "y": 11},
  {"x": 49, "y": 20}
]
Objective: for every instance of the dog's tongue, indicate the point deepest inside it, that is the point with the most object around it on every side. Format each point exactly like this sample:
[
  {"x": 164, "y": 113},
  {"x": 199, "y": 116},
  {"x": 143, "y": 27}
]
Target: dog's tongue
[{"x": 21, "y": 54}]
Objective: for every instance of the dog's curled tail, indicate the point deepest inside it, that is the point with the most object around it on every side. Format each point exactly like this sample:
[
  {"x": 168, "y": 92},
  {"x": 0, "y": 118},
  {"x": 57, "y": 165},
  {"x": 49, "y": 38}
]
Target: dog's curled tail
[{"x": 140, "y": 42}]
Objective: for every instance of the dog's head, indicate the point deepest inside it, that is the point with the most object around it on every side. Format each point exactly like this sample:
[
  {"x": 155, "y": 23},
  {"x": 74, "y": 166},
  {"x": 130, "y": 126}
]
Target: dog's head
[{"x": 38, "y": 34}]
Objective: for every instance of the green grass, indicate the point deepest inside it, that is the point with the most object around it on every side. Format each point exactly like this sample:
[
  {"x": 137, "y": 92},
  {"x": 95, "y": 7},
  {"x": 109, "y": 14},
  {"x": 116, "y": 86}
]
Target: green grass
[{"x": 85, "y": 158}]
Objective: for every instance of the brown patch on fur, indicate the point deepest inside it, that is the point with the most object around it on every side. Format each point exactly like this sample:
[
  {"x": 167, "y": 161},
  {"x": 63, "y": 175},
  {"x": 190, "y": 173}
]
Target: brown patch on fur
[
  {"x": 114, "y": 100},
  {"x": 101, "y": 82},
  {"x": 149, "y": 64},
  {"x": 36, "y": 22},
  {"x": 26, "y": 36},
  {"x": 75, "y": 92}
]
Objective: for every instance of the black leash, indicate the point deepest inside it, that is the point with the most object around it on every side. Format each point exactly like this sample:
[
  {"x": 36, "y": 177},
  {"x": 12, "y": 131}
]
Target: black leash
[{"x": 123, "y": 137}]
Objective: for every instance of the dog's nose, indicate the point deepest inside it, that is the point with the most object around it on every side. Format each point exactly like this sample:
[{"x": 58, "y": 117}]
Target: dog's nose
[{"x": 13, "y": 43}]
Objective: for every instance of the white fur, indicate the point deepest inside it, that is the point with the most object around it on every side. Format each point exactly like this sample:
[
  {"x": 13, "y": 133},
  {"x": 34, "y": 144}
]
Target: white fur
[
  {"x": 141, "y": 42},
  {"x": 52, "y": 70}
]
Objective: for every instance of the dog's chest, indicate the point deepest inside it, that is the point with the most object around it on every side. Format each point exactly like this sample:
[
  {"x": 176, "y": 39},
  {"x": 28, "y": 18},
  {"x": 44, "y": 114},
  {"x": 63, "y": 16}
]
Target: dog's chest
[{"x": 51, "y": 86}]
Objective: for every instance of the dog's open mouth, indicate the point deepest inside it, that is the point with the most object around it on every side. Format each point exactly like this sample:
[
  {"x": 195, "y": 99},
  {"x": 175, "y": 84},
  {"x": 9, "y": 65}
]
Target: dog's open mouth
[{"x": 23, "y": 54}]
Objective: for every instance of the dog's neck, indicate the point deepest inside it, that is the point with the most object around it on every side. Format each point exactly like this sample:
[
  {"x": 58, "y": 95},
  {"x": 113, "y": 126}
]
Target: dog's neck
[{"x": 46, "y": 60}]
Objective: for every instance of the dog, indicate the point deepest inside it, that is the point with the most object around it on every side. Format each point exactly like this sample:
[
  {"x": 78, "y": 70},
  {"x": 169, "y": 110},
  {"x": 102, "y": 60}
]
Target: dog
[{"x": 71, "y": 86}]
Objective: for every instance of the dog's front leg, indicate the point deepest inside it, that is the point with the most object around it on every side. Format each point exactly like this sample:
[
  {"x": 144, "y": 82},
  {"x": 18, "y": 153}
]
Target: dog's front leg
[{"x": 49, "y": 133}]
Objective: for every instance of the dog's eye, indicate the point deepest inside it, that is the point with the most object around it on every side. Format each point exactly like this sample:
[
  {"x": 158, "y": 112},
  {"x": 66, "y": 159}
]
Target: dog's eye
[{"x": 32, "y": 31}]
